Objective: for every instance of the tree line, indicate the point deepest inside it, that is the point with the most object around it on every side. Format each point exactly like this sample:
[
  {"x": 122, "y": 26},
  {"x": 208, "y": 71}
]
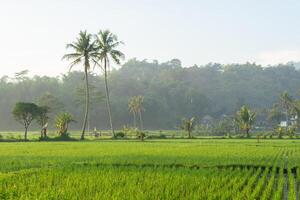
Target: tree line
[{"x": 170, "y": 92}]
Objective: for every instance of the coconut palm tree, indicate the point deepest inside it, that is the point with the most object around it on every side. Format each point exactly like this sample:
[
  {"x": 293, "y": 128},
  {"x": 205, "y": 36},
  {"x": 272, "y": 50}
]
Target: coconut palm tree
[
  {"x": 286, "y": 102},
  {"x": 246, "y": 119},
  {"x": 84, "y": 52},
  {"x": 139, "y": 108},
  {"x": 107, "y": 44},
  {"x": 188, "y": 125},
  {"x": 132, "y": 109}
]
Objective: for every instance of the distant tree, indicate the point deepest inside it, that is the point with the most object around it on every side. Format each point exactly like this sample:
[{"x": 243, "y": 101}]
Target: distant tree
[
  {"x": 85, "y": 51},
  {"x": 107, "y": 43},
  {"x": 62, "y": 121},
  {"x": 245, "y": 119},
  {"x": 22, "y": 75},
  {"x": 274, "y": 115},
  {"x": 175, "y": 63},
  {"x": 47, "y": 99},
  {"x": 224, "y": 126},
  {"x": 286, "y": 102},
  {"x": 140, "y": 109},
  {"x": 25, "y": 113},
  {"x": 42, "y": 119},
  {"x": 188, "y": 125},
  {"x": 132, "y": 109}
]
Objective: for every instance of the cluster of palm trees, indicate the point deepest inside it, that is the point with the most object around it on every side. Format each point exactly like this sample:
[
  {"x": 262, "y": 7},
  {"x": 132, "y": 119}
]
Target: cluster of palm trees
[
  {"x": 92, "y": 51},
  {"x": 135, "y": 106}
]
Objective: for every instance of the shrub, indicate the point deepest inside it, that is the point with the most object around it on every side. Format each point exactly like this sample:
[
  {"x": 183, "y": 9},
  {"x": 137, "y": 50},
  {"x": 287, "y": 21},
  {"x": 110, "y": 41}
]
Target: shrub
[
  {"x": 140, "y": 135},
  {"x": 63, "y": 137},
  {"x": 160, "y": 136},
  {"x": 120, "y": 135}
]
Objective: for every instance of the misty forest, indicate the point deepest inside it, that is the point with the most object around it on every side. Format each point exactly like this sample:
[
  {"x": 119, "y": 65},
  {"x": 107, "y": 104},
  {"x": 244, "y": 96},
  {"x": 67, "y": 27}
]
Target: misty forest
[{"x": 171, "y": 92}]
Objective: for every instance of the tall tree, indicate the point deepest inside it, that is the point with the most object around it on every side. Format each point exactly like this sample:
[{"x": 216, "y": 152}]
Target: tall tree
[
  {"x": 42, "y": 119},
  {"x": 246, "y": 119},
  {"x": 286, "y": 102},
  {"x": 25, "y": 113},
  {"x": 84, "y": 51},
  {"x": 140, "y": 109},
  {"x": 188, "y": 125},
  {"x": 107, "y": 44},
  {"x": 132, "y": 109}
]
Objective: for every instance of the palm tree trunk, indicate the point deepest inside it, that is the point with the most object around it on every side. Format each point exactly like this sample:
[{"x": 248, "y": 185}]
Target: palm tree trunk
[
  {"x": 141, "y": 120},
  {"x": 87, "y": 102},
  {"x": 107, "y": 98}
]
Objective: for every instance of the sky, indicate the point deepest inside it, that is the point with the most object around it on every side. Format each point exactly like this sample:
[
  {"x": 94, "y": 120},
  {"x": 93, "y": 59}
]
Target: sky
[{"x": 34, "y": 33}]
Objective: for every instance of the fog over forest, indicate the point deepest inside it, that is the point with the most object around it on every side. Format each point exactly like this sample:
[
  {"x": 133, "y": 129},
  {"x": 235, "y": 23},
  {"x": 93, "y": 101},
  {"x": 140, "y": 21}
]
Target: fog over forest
[{"x": 171, "y": 92}]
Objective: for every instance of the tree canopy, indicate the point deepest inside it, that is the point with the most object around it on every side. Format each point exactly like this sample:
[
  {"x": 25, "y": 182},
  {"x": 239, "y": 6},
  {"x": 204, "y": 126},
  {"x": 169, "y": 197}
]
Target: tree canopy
[{"x": 171, "y": 92}]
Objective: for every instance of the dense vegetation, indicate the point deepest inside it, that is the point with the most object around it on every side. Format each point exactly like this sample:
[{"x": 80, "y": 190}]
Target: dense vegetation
[
  {"x": 196, "y": 169},
  {"x": 170, "y": 92}
]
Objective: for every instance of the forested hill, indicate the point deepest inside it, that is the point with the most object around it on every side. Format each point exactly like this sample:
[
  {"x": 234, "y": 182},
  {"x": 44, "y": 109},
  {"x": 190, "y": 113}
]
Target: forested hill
[{"x": 171, "y": 92}]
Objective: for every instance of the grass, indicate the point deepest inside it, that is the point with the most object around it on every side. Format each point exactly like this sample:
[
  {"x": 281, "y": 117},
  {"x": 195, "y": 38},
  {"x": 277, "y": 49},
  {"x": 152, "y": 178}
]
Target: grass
[{"x": 154, "y": 169}]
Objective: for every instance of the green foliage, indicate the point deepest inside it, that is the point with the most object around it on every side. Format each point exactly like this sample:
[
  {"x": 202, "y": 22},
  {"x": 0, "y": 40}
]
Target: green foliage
[
  {"x": 212, "y": 89},
  {"x": 245, "y": 119},
  {"x": 167, "y": 169},
  {"x": 280, "y": 132},
  {"x": 25, "y": 113},
  {"x": 223, "y": 126},
  {"x": 62, "y": 121},
  {"x": 120, "y": 135},
  {"x": 188, "y": 125},
  {"x": 135, "y": 106},
  {"x": 291, "y": 131},
  {"x": 42, "y": 115}
]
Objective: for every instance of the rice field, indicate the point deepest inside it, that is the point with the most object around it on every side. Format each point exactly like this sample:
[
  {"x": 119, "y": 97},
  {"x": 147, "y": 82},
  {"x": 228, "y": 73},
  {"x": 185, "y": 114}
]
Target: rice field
[{"x": 156, "y": 169}]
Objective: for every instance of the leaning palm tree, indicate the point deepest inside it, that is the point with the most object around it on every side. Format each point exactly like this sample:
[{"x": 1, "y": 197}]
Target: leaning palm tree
[
  {"x": 84, "y": 52},
  {"x": 107, "y": 43}
]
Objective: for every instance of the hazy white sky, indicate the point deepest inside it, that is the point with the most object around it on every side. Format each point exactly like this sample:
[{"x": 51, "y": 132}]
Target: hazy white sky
[{"x": 34, "y": 32}]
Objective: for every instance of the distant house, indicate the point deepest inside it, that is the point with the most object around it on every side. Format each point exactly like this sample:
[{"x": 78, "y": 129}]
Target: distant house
[{"x": 292, "y": 122}]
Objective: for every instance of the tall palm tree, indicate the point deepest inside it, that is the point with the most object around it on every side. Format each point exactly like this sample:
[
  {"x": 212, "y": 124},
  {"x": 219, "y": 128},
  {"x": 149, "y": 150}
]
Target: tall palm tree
[
  {"x": 286, "y": 102},
  {"x": 84, "y": 52},
  {"x": 132, "y": 109},
  {"x": 140, "y": 109},
  {"x": 107, "y": 43}
]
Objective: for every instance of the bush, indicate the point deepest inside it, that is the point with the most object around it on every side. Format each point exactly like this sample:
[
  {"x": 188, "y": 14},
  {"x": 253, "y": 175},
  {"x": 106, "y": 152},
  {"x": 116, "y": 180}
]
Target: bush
[
  {"x": 140, "y": 135},
  {"x": 160, "y": 136},
  {"x": 64, "y": 137},
  {"x": 120, "y": 135},
  {"x": 265, "y": 137}
]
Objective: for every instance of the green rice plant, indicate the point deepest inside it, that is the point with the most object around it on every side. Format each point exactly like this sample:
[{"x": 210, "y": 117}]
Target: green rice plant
[{"x": 278, "y": 195}]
